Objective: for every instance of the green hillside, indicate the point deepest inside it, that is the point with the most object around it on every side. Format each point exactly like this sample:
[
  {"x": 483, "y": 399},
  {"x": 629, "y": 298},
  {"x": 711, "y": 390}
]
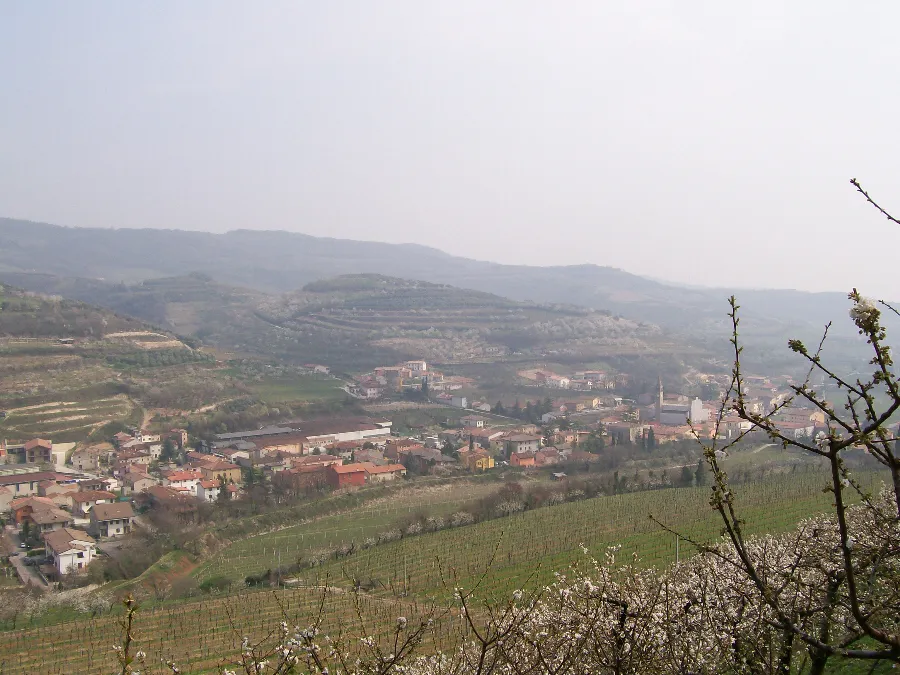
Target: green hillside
[{"x": 529, "y": 547}]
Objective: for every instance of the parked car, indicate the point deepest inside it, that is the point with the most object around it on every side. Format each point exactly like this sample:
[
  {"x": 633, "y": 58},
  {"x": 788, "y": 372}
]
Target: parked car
[{"x": 23, "y": 545}]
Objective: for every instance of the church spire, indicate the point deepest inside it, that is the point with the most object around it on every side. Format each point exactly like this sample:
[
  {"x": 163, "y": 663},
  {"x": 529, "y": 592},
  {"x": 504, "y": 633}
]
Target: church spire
[{"x": 659, "y": 400}]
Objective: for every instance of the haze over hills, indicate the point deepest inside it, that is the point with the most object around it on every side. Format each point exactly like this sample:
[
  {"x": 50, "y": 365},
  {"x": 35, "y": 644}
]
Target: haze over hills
[
  {"x": 275, "y": 261},
  {"x": 363, "y": 320}
]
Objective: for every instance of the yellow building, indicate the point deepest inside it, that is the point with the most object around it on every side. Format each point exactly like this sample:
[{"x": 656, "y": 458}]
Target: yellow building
[{"x": 479, "y": 461}]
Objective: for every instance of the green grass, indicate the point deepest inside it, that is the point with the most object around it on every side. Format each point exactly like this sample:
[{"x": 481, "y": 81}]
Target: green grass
[
  {"x": 296, "y": 389},
  {"x": 545, "y": 540}
]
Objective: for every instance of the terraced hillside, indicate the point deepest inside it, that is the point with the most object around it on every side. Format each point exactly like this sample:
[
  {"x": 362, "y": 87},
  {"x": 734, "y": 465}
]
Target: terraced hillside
[
  {"x": 67, "y": 369},
  {"x": 448, "y": 324},
  {"x": 359, "y": 321}
]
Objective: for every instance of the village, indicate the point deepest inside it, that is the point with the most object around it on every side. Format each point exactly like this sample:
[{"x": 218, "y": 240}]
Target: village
[{"x": 64, "y": 504}]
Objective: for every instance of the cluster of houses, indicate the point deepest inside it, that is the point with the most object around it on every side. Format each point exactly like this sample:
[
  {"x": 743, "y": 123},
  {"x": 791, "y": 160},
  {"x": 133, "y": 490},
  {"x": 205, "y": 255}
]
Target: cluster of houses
[
  {"x": 583, "y": 380},
  {"x": 407, "y": 376},
  {"x": 67, "y": 511},
  {"x": 678, "y": 417}
]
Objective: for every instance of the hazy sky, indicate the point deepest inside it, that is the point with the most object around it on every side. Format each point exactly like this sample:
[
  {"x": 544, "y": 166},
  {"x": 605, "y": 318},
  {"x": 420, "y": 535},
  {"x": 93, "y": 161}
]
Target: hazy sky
[{"x": 703, "y": 142}]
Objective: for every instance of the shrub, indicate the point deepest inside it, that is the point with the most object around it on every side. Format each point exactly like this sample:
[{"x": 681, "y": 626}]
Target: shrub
[{"x": 216, "y": 583}]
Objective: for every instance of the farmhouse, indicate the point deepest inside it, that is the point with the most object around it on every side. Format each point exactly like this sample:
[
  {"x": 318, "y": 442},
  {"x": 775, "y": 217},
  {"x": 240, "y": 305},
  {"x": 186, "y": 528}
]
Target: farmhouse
[
  {"x": 547, "y": 456},
  {"x": 472, "y": 422},
  {"x": 217, "y": 469},
  {"x": 35, "y": 451},
  {"x": 347, "y": 475},
  {"x": 379, "y": 474},
  {"x": 71, "y": 550},
  {"x": 522, "y": 443},
  {"x": 523, "y": 459},
  {"x": 208, "y": 490},
  {"x": 39, "y": 451},
  {"x": 112, "y": 520},
  {"x": 459, "y": 402}
]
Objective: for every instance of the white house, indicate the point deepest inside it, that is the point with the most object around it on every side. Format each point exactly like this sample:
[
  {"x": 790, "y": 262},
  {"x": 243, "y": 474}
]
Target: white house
[
  {"x": 698, "y": 414},
  {"x": 472, "y": 422},
  {"x": 183, "y": 480},
  {"x": 208, "y": 490},
  {"x": 71, "y": 550},
  {"x": 382, "y": 473},
  {"x": 112, "y": 520},
  {"x": 371, "y": 390},
  {"x": 459, "y": 402}
]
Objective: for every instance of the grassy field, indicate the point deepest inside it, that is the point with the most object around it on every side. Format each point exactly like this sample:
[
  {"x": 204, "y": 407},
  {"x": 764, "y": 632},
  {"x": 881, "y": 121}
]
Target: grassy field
[
  {"x": 537, "y": 543},
  {"x": 298, "y": 389}
]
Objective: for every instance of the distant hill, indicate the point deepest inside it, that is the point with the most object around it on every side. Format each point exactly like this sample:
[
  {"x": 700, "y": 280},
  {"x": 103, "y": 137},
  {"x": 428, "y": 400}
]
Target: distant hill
[
  {"x": 25, "y": 314},
  {"x": 362, "y": 320},
  {"x": 278, "y": 262}
]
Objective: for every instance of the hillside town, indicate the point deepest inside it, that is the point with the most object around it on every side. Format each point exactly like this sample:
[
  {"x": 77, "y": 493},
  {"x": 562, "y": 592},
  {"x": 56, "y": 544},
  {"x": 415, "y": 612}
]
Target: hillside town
[{"x": 65, "y": 501}]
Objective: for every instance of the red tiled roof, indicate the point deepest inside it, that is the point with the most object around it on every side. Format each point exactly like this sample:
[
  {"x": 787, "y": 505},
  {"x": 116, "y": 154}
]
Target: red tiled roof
[
  {"x": 347, "y": 468},
  {"x": 34, "y": 502},
  {"x": 386, "y": 468},
  {"x": 183, "y": 475},
  {"x": 218, "y": 465},
  {"x": 35, "y": 442}
]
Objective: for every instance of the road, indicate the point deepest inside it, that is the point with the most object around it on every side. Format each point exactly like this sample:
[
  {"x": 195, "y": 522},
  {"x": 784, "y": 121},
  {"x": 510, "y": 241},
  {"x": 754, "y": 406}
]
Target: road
[{"x": 27, "y": 573}]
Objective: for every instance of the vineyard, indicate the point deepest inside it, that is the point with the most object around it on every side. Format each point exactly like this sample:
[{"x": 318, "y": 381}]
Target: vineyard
[
  {"x": 535, "y": 544},
  {"x": 199, "y": 636},
  {"x": 410, "y": 577},
  {"x": 288, "y": 545}
]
